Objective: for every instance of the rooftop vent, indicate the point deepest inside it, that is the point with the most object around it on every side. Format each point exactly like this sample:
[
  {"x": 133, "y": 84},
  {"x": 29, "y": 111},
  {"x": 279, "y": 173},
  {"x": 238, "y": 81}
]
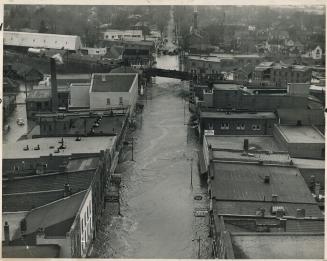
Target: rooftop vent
[
  {"x": 260, "y": 212},
  {"x": 78, "y": 139},
  {"x": 26, "y": 148},
  {"x": 300, "y": 213},
  {"x": 37, "y": 147},
  {"x": 274, "y": 198},
  {"x": 283, "y": 223},
  {"x": 103, "y": 77},
  {"x": 67, "y": 190},
  {"x": 246, "y": 144},
  {"x": 275, "y": 209},
  {"x": 299, "y": 123},
  {"x": 317, "y": 189},
  {"x": 267, "y": 179}
]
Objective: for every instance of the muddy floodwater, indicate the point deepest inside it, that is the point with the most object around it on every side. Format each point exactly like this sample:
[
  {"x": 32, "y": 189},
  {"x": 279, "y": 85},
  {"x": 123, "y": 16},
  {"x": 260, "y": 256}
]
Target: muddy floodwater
[{"x": 157, "y": 199}]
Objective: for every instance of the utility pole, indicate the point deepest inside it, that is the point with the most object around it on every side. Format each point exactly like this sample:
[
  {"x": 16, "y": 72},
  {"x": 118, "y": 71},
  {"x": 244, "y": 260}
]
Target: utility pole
[
  {"x": 132, "y": 148},
  {"x": 199, "y": 245},
  {"x": 25, "y": 85},
  {"x": 192, "y": 172}
]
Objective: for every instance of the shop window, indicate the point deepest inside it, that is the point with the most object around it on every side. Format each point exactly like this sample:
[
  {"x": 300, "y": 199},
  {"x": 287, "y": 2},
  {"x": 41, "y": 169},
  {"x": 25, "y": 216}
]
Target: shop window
[
  {"x": 224, "y": 126},
  {"x": 256, "y": 127}
]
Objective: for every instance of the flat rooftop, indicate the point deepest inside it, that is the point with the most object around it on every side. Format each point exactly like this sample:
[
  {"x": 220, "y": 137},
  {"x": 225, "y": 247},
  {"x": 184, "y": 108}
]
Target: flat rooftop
[
  {"x": 83, "y": 123},
  {"x": 301, "y": 134},
  {"x": 278, "y": 246},
  {"x": 308, "y": 163},
  {"x": 227, "y": 87},
  {"x": 107, "y": 82},
  {"x": 231, "y": 207},
  {"x": 48, "y": 145},
  {"x": 252, "y": 156},
  {"x": 222, "y": 56},
  {"x": 236, "y": 142},
  {"x": 238, "y": 115},
  {"x": 245, "y": 182}
]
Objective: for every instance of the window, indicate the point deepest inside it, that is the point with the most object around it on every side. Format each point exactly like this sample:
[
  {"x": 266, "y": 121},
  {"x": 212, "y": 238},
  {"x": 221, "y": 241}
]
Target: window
[
  {"x": 256, "y": 127},
  {"x": 120, "y": 100},
  {"x": 240, "y": 126},
  {"x": 224, "y": 126},
  {"x": 108, "y": 101}
]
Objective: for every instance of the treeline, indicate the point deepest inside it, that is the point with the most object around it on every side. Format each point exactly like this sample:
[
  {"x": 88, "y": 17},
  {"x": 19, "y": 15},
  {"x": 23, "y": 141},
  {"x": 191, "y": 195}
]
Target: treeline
[{"x": 84, "y": 21}]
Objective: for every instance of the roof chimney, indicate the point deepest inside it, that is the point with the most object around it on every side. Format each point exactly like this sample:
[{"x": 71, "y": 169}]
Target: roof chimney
[
  {"x": 246, "y": 144},
  {"x": 280, "y": 213},
  {"x": 67, "y": 190},
  {"x": 317, "y": 190},
  {"x": 260, "y": 212},
  {"x": 54, "y": 90},
  {"x": 300, "y": 213},
  {"x": 6, "y": 232},
  {"x": 312, "y": 182},
  {"x": 283, "y": 223},
  {"x": 195, "y": 18},
  {"x": 274, "y": 198},
  {"x": 103, "y": 77}
]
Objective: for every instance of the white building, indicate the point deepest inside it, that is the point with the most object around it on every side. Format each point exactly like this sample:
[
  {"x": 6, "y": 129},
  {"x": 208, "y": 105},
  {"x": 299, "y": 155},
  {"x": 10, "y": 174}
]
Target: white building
[
  {"x": 113, "y": 90},
  {"x": 79, "y": 95},
  {"x": 37, "y": 40},
  {"x": 127, "y": 35},
  {"x": 86, "y": 227},
  {"x": 315, "y": 54}
]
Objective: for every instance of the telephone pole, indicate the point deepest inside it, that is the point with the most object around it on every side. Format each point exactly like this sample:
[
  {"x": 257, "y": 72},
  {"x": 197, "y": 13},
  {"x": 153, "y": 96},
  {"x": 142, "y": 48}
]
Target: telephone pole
[{"x": 199, "y": 245}]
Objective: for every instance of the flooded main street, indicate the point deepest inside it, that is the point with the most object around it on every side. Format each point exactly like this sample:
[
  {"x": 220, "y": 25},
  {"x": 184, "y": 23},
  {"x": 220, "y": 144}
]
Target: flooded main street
[{"x": 157, "y": 200}]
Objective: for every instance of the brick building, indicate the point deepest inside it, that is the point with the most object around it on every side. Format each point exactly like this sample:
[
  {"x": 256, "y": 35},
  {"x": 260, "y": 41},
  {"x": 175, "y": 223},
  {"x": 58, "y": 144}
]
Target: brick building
[
  {"x": 237, "y": 123},
  {"x": 280, "y": 74}
]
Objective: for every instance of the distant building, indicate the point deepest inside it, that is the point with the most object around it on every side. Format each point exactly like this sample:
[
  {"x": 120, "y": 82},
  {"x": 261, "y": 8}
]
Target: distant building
[
  {"x": 233, "y": 97},
  {"x": 315, "y": 54},
  {"x": 280, "y": 74},
  {"x": 120, "y": 35},
  {"x": 38, "y": 40},
  {"x": 203, "y": 65}
]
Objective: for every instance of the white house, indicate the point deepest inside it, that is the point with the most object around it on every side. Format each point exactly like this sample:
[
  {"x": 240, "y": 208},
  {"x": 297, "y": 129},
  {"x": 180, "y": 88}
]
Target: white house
[
  {"x": 127, "y": 35},
  {"x": 38, "y": 40},
  {"x": 113, "y": 90},
  {"x": 315, "y": 54}
]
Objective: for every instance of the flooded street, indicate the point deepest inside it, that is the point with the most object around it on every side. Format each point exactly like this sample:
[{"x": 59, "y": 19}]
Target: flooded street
[
  {"x": 17, "y": 131},
  {"x": 156, "y": 197}
]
